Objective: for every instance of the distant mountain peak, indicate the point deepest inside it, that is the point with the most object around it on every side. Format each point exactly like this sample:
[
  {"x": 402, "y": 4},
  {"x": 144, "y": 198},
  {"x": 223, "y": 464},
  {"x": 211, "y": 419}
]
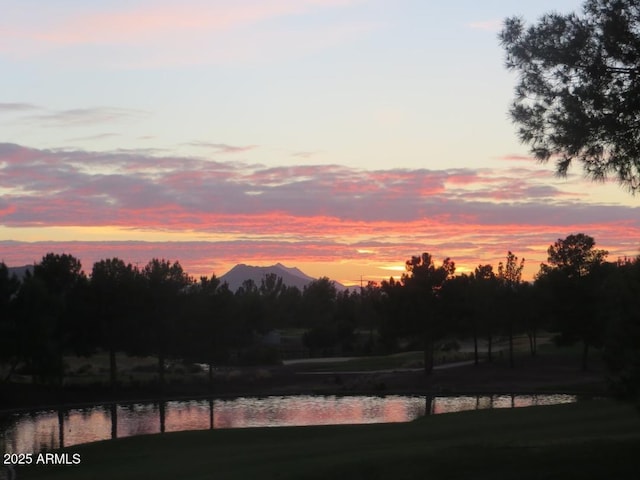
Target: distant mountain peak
[
  {"x": 291, "y": 276},
  {"x": 20, "y": 272}
]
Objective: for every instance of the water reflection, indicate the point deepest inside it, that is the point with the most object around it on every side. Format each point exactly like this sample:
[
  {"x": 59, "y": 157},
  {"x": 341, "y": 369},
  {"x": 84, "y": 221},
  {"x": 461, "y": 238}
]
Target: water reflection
[{"x": 46, "y": 430}]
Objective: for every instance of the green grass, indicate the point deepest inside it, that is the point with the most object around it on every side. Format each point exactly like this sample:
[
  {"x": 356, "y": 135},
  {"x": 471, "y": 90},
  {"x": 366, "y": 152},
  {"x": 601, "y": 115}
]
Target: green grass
[{"x": 589, "y": 440}]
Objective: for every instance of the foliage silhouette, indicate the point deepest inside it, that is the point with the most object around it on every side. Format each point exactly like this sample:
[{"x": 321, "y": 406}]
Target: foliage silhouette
[
  {"x": 161, "y": 311},
  {"x": 424, "y": 281},
  {"x": 578, "y": 93},
  {"x": 510, "y": 281},
  {"x": 573, "y": 277}
]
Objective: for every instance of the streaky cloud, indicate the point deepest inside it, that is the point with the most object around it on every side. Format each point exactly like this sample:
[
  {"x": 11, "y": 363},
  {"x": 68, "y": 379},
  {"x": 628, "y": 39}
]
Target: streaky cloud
[
  {"x": 223, "y": 147},
  {"x": 84, "y": 116},
  {"x": 17, "y": 107},
  {"x": 301, "y": 211}
]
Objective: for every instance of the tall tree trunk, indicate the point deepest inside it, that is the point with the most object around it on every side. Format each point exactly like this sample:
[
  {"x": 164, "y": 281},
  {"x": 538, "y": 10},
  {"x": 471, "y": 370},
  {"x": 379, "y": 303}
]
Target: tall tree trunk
[
  {"x": 475, "y": 344},
  {"x": 161, "y": 363},
  {"x": 114, "y": 421},
  {"x": 510, "y": 343},
  {"x": 533, "y": 343},
  {"x": 162, "y": 341},
  {"x": 428, "y": 405},
  {"x": 60, "y": 428},
  {"x": 163, "y": 417},
  {"x": 210, "y": 375},
  {"x": 113, "y": 368},
  {"x": 211, "y": 413},
  {"x": 585, "y": 355},
  {"x": 428, "y": 353},
  {"x": 60, "y": 372}
]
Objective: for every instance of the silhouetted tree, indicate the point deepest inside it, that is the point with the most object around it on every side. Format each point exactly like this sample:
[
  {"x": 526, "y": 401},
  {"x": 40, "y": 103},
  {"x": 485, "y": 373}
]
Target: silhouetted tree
[
  {"x": 37, "y": 323},
  {"x": 10, "y": 353},
  {"x": 115, "y": 293},
  {"x": 207, "y": 324},
  {"x": 165, "y": 283},
  {"x": 250, "y": 314},
  {"x": 318, "y": 308},
  {"x": 289, "y": 302},
  {"x": 344, "y": 320},
  {"x": 620, "y": 306},
  {"x": 484, "y": 285},
  {"x": 530, "y": 302},
  {"x": 458, "y": 304},
  {"x": 271, "y": 292},
  {"x": 423, "y": 281},
  {"x": 578, "y": 95},
  {"x": 510, "y": 278},
  {"x": 62, "y": 278},
  {"x": 368, "y": 316},
  {"x": 575, "y": 256},
  {"x": 572, "y": 277},
  {"x": 395, "y": 314}
]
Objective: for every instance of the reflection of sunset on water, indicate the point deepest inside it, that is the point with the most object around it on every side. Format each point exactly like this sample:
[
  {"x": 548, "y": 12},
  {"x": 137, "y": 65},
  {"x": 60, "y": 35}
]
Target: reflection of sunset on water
[
  {"x": 138, "y": 419},
  {"x": 309, "y": 410},
  {"x": 482, "y": 402},
  {"x": 75, "y": 426},
  {"x": 32, "y": 433},
  {"x": 37, "y": 431},
  {"x": 192, "y": 415}
]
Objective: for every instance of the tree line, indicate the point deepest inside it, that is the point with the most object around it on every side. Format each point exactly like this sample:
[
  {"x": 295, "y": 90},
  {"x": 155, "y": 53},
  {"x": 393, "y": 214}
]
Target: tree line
[{"x": 159, "y": 310}]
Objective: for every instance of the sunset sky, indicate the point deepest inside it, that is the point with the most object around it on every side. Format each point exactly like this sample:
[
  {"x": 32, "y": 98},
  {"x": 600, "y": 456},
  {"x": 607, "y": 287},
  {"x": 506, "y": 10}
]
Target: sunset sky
[{"x": 338, "y": 136}]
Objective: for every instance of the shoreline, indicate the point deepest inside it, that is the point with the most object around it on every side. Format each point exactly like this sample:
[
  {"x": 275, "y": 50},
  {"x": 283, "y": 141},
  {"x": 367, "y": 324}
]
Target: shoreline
[{"x": 534, "y": 375}]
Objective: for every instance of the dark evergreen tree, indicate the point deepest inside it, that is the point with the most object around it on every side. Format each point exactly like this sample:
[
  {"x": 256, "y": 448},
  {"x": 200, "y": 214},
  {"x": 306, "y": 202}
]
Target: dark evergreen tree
[
  {"x": 578, "y": 94},
  {"x": 510, "y": 281},
  {"x": 204, "y": 336},
  {"x": 423, "y": 281},
  {"x": 58, "y": 287},
  {"x": 572, "y": 279},
  {"x": 318, "y": 308},
  {"x": 115, "y": 296},
  {"x": 165, "y": 287},
  {"x": 620, "y": 307},
  {"x": 10, "y": 351},
  {"x": 484, "y": 286}
]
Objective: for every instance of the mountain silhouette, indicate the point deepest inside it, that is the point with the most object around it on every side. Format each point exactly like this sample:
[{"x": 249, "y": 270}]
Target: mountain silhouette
[
  {"x": 291, "y": 276},
  {"x": 20, "y": 272}
]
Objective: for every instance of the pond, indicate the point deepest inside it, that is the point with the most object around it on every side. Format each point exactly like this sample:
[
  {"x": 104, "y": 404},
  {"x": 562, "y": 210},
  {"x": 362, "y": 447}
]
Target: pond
[{"x": 37, "y": 431}]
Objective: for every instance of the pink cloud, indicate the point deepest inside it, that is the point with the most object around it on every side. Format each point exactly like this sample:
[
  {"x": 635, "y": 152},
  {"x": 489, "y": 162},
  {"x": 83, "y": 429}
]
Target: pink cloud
[
  {"x": 516, "y": 158},
  {"x": 493, "y": 25},
  {"x": 152, "y": 34},
  {"x": 58, "y": 188},
  {"x": 310, "y": 211},
  {"x": 223, "y": 147},
  {"x": 139, "y": 23}
]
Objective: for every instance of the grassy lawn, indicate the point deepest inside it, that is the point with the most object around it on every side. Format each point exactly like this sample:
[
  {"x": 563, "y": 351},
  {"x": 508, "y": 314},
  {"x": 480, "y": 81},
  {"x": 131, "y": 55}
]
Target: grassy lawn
[
  {"x": 383, "y": 362},
  {"x": 589, "y": 440}
]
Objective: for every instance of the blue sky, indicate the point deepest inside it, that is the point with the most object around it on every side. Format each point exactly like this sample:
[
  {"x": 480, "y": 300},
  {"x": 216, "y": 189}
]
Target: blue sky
[{"x": 360, "y": 83}]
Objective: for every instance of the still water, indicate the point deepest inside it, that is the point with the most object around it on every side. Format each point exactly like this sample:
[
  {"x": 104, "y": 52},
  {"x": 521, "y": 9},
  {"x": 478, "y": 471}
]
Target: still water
[{"x": 50, "y": 429}]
